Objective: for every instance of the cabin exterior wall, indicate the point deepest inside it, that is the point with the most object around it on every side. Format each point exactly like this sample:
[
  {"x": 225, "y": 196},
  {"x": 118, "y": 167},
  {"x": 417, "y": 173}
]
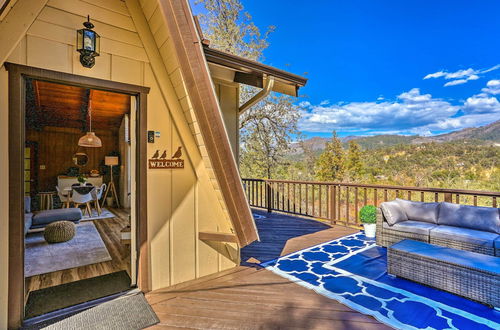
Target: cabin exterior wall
[
  {"x": 180, "y": 202},
  {"x": 228, "y": 96}
]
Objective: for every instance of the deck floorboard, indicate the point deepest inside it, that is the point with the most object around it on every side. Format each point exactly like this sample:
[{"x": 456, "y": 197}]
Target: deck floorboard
[{"x": 250, "y": 297}]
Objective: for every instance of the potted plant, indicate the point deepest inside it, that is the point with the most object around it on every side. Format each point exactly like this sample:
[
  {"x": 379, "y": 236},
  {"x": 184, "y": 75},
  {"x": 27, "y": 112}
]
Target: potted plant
[
  {"x": 368, "y": 216},
  {"x": 81, "y": 179}
]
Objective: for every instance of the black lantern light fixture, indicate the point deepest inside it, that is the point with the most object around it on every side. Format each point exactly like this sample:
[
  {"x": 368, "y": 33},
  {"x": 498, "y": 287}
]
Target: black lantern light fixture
[{"x": 87, "y": 44}]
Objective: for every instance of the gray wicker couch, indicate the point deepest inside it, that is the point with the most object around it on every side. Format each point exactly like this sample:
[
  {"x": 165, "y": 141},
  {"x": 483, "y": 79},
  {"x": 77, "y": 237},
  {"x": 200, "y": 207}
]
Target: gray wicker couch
[{"x": 462, "y": 227}]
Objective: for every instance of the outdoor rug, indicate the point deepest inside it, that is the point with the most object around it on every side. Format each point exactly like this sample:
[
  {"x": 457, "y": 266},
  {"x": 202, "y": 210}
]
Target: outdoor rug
[
  {"x": 105, "y": 214},
  {"x": 85, "y": 248},
  {"x": 129, "y": 312},
  {"x": 69, "y": 294},
  {"x": 353, "y": 271}
]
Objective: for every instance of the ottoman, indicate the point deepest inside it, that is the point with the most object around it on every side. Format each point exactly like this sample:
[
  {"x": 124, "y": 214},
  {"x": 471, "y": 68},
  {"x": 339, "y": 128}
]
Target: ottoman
[
  {"x": 43, "y": 218},
  {"x": 59, "y": 231}
]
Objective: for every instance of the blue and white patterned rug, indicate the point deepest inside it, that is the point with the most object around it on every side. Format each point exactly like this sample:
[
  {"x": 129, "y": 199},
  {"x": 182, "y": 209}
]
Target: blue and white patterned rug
[{"x": 352, "y": 270}]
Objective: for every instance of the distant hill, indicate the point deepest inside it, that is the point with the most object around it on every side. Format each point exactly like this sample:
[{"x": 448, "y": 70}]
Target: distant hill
[{"x": 488, "y": 134}]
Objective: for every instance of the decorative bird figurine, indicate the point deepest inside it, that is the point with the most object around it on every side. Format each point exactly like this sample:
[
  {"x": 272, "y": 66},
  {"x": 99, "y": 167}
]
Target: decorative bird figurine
[
  {"x": 178, "y": 153},
  {"x": 163, "y": 155},
  {"x": 157, "y": 153}
]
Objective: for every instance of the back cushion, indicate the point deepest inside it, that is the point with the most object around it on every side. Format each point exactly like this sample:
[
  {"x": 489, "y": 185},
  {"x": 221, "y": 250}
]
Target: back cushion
[
  {"x": 420, "y": 211},
  {"x": 27, "y": 204},
  {"x": 467, "y": 216},
  {"x": 393, "y": 213}
]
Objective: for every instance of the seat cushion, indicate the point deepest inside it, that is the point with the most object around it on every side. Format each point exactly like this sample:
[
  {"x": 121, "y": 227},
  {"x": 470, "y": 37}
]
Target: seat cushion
[
  {"x": 393, "y": 213},
  {"x": 467, "y": 259},
  {"x": 460, "y": 234},
  {"x": 468, "y": 216},
  {"x": 410, "y": 226},
  {"x": 420, "y": 211},
  {"x": 43, "y": 218}
]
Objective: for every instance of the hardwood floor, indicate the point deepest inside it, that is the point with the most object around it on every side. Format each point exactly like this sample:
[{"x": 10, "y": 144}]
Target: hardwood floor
[
  {"x": 109, "y": 229},
  {"x": 255, "y": 298}
]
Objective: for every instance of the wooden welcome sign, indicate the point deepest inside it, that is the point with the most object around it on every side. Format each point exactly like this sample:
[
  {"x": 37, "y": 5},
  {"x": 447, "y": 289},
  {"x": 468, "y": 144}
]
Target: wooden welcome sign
[{"x": 161, "y": 162}]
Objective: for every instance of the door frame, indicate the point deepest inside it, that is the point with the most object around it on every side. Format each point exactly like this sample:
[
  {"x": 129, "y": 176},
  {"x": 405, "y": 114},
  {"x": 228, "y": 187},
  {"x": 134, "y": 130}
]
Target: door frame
[{"x": 17, "y": 95}]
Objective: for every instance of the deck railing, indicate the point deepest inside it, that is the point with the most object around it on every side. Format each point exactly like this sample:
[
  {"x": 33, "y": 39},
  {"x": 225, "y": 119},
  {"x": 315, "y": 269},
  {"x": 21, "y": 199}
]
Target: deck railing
[{"x": 341, "y": 202}]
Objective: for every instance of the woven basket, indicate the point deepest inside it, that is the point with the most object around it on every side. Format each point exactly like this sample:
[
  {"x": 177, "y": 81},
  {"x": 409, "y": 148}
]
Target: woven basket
[{"x": 59, "y": 231}]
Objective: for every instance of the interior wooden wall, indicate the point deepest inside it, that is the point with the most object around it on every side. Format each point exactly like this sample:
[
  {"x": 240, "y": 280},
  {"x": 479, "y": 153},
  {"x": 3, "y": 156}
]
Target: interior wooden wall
[{"x": 56, "y": 147}]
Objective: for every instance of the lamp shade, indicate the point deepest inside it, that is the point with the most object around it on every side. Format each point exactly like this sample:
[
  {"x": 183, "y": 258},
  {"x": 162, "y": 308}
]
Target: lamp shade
[
  {"x": 90, "y": 140},
  {"x": 111, "y": 160}
]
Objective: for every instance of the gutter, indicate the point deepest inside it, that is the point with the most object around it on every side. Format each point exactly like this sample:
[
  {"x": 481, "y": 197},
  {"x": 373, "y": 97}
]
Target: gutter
[{"x": 259, "y": 96}]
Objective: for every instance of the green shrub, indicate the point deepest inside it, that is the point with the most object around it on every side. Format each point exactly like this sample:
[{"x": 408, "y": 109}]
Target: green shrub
[{"x": 368, "y": 214}]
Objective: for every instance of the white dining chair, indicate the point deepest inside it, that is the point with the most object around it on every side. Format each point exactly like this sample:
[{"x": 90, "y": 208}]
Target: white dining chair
[
  {"x": 65, "y": 199},
  {"x": 83, "y": 199},
  {"x": 97, "y": 195}
]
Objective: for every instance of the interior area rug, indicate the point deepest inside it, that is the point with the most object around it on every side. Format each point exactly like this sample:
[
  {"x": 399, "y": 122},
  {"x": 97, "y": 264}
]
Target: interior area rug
[
  {"x": 131, "y": 312},
  {"x": 353, "y": 271},
  {"x": 105, "y": 214},
  {"x": 85, "y": 248}
]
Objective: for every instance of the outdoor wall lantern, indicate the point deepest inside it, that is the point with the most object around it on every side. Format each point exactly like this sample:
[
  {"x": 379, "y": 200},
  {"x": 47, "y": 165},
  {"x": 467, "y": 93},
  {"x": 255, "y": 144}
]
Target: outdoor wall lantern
[{"x": 87, "y": 44}]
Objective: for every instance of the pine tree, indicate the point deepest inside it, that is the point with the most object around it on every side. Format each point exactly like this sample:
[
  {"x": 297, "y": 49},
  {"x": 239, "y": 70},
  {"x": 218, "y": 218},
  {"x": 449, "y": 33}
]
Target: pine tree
[
  {"x": 330, "y": 165},
  {"x": 354, "y": 163},
  {"x": 266, "y": 129}
]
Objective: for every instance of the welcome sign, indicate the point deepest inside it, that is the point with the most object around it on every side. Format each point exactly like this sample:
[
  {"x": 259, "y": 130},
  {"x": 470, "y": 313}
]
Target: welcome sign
[{"x": 161, "y": 162}]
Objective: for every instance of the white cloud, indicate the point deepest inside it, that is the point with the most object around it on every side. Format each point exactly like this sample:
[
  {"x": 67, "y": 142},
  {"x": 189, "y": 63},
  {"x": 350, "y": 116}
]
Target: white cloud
[
  {"x": 455, "y": 82},
  {"x": 461, "y": 76},
  {"x": 492, "y": 87},
  {"x": 412, "y": 113},
  {"x": 324, "y": 102}
]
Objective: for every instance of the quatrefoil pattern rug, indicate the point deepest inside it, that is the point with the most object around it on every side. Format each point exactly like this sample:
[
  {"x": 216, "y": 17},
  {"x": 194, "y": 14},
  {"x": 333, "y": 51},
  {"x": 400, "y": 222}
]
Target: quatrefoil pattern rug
[{"x": 353, "y": 271}]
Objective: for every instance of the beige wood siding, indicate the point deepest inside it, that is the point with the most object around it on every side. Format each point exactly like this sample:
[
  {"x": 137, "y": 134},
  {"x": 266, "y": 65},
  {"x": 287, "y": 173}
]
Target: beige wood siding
[
  {"x": 180, "y": 202},
  {"x": 228, "y": 96}
]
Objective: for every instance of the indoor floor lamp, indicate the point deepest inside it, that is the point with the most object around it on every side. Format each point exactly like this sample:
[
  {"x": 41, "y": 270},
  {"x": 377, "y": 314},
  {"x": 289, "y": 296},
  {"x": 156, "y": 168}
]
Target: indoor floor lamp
[{"x": 111, "y": 161}]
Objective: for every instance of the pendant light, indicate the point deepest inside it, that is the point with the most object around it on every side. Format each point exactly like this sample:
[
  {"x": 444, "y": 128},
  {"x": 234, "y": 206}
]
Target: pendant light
[{"x": 90, "y": 140}]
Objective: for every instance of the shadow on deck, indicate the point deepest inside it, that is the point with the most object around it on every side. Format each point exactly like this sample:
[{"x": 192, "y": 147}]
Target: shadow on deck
[{"x": 277, "y": 233}]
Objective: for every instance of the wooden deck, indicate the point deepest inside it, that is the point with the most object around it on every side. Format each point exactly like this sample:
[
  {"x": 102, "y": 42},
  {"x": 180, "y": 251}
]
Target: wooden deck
[{"x": 249, "y": 297}]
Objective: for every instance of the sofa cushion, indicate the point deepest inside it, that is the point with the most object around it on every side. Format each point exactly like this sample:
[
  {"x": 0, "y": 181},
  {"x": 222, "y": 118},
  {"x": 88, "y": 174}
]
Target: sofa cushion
[
  {"x": 468, "y": 216},
  {"x": 43, "y": 218},
  {"x": 28, "y": 218},
  {"x": 460, "y": 234},
  {"x": 27, "y": 204},
  {"x": 410, "y": 226},
  {"x": 393, "y": 213},
  {"x": 420, "y": 211}
]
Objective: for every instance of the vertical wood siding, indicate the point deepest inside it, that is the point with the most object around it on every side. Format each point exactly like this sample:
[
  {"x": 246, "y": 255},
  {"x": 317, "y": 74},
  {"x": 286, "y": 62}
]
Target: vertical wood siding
[{"x": 180, "y": 202}]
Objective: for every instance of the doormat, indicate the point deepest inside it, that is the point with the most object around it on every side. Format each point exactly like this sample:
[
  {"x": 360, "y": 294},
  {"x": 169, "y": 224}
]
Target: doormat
[
  {"x": 86, "y": 248},
  {"x": 130, "y": 312},
  {"x": 353, "y": 271},
  {"x": 70, "y": 294}
]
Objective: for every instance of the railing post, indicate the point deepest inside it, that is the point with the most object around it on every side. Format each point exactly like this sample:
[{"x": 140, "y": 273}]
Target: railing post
[
  {"x": 269, "y": 194},
  {"x": 333, "y": 200},
  {"x": 448, "y": 197}
]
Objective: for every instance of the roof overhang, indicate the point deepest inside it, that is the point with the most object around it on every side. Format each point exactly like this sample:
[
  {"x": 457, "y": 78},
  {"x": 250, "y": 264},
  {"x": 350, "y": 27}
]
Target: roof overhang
[{"x": 244, "y": 71}]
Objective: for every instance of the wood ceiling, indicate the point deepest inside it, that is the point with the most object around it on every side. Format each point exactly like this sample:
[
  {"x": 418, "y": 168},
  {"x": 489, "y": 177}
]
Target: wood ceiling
[{"x": 51, "y": 104}]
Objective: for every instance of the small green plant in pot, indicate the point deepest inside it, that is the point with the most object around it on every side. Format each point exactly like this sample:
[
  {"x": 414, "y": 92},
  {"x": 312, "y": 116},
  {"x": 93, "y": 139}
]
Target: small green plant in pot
[
  {"x": 368, "y": 216},
  {"x": 81, "y": 179}
]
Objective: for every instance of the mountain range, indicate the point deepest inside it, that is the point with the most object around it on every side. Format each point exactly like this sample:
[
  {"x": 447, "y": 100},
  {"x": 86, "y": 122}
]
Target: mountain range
[{"x": 488, "y": 134}]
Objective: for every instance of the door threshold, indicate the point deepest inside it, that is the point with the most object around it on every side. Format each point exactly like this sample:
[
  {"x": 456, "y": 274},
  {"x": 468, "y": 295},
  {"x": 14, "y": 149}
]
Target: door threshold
[{"x": 52, "y": 317}]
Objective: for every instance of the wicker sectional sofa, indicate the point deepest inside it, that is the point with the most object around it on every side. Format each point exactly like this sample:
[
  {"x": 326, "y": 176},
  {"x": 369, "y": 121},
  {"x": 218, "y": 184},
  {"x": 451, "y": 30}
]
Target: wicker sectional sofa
[{"x": 462, "y": 227}]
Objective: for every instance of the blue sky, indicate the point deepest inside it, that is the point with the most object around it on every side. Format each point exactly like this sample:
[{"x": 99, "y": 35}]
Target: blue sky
[{"x": 387, "y": 67}]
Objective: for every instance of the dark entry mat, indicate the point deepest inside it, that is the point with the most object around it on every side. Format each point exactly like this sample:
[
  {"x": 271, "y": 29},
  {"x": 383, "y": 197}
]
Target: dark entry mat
[{"x": 70, "y": 294}]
